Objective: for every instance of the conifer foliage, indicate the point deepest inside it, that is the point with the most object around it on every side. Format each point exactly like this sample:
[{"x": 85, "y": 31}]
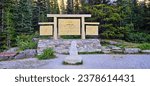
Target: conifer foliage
[
  {"x": 123, "y": 19},
  {"x": 24, "y": 17}
]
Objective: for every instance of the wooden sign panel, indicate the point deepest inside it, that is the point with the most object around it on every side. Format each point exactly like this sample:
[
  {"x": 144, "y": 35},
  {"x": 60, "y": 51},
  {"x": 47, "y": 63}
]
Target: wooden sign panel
[
  {"x": 91, "y": 30},
  {"x": 46, "y": 30},
  {"x": 69, "y": 26}
]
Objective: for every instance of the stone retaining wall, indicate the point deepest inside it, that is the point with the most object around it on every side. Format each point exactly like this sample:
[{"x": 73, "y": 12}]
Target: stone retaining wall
[{"x": 62, "y": 46}]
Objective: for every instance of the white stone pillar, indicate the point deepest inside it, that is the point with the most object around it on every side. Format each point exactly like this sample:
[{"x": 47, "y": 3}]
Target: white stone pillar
[
  {"x": 83, "y": 28},
  {"x": 55, "y": 29}
]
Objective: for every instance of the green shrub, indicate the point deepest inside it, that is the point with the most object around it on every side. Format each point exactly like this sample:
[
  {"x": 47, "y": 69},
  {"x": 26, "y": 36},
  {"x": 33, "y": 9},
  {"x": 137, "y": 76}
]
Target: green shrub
[
  {"x": 78, "y": 63},
  {"x": 26, "y": 42},
  {"x": 137, "y": 37},
  {"x": 121, "y": 45},
  {"x": 47, "y": 54},
  {"x": 145, "y": 46}
]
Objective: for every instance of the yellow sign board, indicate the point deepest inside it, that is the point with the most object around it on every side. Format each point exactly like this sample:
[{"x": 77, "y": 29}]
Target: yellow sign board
[
  {"x": 69, "y": 26},
  {"x": 91, "y": 30},
  {"x": 46, "y": 30}
]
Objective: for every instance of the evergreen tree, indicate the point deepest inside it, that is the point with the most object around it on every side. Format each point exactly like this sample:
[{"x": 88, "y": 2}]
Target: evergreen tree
[
  {"x": 8, "y": 30},
  {"x": 54, "y": 7},
  {"x": 1, "y": 16},
  {"x": 109, "y": 17},
  {"x": 48, "y": 6},
  {"x": 147, "y": 18},
  {"x": 69, "y": 7},
  {"x": 76, "y": 7},
  {"x": 139, "y": 17},
  {"x": 1, "y": 31},
  {"x": 126, "y": 12},
  {"x": 35, "y": 16},
  {"x": 42, "y": 8},
  {"x": 62, "y": 7},
  {"x": 24, "y": 17},
  {"x": 9, "y": 26},
  {"x": 94, "y": 2}
]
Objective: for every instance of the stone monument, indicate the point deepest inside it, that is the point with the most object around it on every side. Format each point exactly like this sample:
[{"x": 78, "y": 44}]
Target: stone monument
[
  {"x": 73, "y": 57},
  {"x": 69, "y": 24}
]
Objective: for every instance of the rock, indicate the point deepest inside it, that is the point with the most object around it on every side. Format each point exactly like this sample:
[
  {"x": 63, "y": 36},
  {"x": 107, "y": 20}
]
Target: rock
[
  {"x": 21, "y": 55},
  {"x": 146, "y": 51},
  {"x": 7, "y": 55},
  {"x": 113, "y": 47},
  {"x": 117, "y": 51},
  {"x": 12, "y": 54},
  {"x": 132, "y": 50},
  {"x": 29, "y": 53},
  {"x": 98, "y": 50},
  {"x": 73, "y": 60},
  {"x": 81, "y": 49},
  {"x": 2, "y": 58},
  {"x": 106, "y": 50},
  {"x": 35, "y": 39},
  {"x": 13, "y": 50},
  {"x": 116, "y": 48},
  {"x": 62, "y": 46},
  {"x": 65, "y": 51}
]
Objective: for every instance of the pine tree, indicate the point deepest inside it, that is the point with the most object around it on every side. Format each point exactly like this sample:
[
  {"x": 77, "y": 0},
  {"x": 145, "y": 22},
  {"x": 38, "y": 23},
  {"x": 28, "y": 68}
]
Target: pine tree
[
  {"x": 24, "y": 17},
  {"x": 55, "y": 8},
  {"x": 69, "y": 7},
  {"x": 147, "y": 18},
  {"x": 126, "y": 12},
  {"x": 62, "y": 7},
  {"x": 144, "y": 15},
  {"x": 1, "y": 16},
  {"x": 94, "y": 2},
  {"x": 1, "y": 31},
  {"x": 35, "y": 16},
  {"x": 137, "y": 15},
  {"x": 7, "y": 30},
  {"x": 39, "y": 13},
  {"x": 48, "y": 6},
  {"x": 76, "y": 7},
  {"x": 9, "y": 26},
  {"x": 109, "y": 17}
]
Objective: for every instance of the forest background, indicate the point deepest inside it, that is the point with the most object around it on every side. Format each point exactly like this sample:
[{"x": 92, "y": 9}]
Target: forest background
[{"x": 127, "y": 20}]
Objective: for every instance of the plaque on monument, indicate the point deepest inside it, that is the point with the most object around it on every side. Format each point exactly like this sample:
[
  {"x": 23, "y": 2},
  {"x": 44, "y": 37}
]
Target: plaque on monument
[
  {"x": 46, "y": 30},
  {"x": 91, "y": 30},
  {"x": 69, "y": 26}
]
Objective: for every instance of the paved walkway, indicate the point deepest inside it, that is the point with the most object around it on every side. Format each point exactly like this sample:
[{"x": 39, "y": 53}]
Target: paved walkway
[{"x": 89, "y": 62}]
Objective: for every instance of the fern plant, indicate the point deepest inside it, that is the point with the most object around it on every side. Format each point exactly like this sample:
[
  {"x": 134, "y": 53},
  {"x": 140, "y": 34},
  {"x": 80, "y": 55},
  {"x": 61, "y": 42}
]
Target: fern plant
[{"x": 47, "y": 54}]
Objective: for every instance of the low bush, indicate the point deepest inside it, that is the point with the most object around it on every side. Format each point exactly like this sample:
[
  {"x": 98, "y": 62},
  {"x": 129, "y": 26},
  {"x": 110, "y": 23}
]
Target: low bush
[
  {"x": 47, "y": 54},
  {"x": 79, "y": 63},
  {"x": 26, "y": 42},
  {"x": 145, "y": 46},
  {"x": 137, "y": 37}
]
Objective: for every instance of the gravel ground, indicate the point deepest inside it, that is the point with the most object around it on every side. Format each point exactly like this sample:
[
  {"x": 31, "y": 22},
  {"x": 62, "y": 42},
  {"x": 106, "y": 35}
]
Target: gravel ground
[{"x": 89, "y": 62}]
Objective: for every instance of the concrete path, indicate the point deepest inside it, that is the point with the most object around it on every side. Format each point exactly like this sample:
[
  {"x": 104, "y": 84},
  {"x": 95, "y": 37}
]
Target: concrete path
[{"x": 89, "y": 62}]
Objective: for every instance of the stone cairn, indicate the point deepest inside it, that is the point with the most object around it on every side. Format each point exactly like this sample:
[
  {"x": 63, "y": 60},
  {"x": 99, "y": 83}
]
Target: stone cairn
[{"x": 73, "y": 57}]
